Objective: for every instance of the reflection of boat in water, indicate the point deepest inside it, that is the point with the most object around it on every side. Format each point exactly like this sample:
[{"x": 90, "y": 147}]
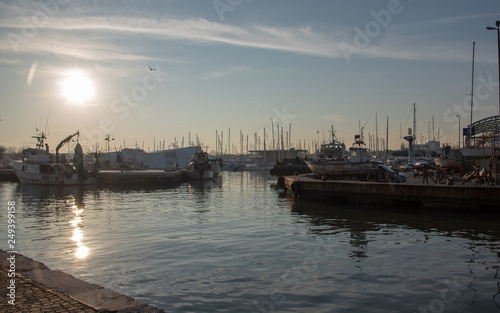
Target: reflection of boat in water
[
  {"x": 216, "y": 165},
  {"x": 358, "y": 165},
  {"x": 200, "y": 167},
  {"x": 40, "y": 167},
  {"x": 258, "y": 166}
]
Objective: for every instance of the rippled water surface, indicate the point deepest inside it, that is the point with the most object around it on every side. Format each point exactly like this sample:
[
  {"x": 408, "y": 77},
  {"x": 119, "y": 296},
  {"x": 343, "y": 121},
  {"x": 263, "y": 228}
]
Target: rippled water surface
[{"x": 240, "y": 246}]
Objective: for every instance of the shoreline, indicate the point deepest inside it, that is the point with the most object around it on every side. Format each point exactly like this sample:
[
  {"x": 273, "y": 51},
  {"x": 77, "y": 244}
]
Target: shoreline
[{"x": 55, "y": 284}]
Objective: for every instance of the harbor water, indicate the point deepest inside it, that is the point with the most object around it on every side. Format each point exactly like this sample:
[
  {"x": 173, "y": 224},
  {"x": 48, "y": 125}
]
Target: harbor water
[{"x": 240, "y": 245}]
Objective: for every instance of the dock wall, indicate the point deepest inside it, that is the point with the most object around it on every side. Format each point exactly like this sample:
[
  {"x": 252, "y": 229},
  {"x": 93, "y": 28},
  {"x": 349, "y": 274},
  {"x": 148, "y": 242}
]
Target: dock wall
[{"x": 443, "y": 196}]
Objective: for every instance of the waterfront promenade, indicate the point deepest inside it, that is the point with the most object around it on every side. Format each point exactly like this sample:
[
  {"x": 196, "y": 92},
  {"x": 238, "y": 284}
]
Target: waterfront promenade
[
  {"x": 34, "y": 297},
  {"x": 40, "y": 289}
]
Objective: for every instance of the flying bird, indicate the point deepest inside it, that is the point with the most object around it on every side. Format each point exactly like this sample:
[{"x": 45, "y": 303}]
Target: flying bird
[{"x": 152, "y": 69}]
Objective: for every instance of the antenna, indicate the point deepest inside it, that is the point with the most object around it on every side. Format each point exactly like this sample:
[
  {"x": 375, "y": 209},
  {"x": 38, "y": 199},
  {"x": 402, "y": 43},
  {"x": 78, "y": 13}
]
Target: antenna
[{"x": 47, "y": 121}]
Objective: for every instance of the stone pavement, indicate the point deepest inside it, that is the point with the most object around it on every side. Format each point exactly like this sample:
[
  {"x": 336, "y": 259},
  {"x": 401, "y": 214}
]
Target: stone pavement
[
  {"x": 40, "y": 289},
  {"x": 31, "y": 296}
]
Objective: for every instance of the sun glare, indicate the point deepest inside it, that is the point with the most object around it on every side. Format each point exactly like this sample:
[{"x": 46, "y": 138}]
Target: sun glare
[{"x": 77, "y": 87}]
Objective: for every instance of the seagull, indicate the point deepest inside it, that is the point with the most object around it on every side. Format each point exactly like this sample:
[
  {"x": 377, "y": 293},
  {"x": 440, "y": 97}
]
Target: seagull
[{"x": 152, "y": 69}]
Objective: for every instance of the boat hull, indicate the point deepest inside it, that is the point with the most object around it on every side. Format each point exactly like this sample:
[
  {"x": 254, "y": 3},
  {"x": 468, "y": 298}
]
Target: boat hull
[
  {"x": 342, "y": 170},
  {"x": 201, "y": 174},
  {"x": 32, "y": 174},
  {"x": 445, "y": 162}
]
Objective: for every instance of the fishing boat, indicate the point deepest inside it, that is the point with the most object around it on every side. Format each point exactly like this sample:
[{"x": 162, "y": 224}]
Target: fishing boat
[
  {"x": 449, "y": 158},
  {"x": 38, "y": 166},
  {"x": 334, "y": 150},
  {"x": 200, "y": 166},
  {"x": 358, "y": 165}
]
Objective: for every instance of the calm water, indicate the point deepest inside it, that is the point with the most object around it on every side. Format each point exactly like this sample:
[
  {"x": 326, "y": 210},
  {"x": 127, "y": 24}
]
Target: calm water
[{"x": 240, "y": 246}]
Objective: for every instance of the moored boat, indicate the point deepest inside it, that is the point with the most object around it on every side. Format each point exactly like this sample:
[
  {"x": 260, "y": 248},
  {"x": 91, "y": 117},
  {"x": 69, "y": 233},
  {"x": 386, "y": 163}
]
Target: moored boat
[
  {"x": 40, "y": 167},
  {"x": 449, "y": 158},
  {"x": 200, "y": 167},
  {"x": 334, "y": 150},
  {"x": 358, "y": 165}
]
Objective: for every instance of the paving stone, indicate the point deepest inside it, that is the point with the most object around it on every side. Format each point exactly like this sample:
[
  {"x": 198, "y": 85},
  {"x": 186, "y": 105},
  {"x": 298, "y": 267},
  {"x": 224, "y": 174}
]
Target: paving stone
[
  {"x": 34, "y": 297},
  {"x": 40, "y": 289}
]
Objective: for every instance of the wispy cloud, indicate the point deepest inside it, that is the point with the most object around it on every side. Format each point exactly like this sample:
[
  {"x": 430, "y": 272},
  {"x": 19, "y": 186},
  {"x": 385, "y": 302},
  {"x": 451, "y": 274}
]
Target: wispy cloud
[
  {"x": 11, "y": 61},
  {"x": 228, "y": 71},
  {"x": 297, "y": 39},
  {"x": 64, "y": 36}
]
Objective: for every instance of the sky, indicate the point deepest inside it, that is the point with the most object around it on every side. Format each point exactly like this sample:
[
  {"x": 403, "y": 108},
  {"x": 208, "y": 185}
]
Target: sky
[{"x": 148, "y": 72}]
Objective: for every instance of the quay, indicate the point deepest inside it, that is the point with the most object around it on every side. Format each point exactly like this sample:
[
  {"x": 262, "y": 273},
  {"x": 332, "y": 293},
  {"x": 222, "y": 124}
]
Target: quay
[
  {"x": 40, "y": 289},
  {"x": 412, "y": 193}
]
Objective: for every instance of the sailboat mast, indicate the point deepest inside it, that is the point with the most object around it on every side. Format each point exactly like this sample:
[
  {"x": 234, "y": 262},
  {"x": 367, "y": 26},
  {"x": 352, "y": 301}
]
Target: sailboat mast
[
  {"x": 472, "y": 92},
  {"x": 290, "y": 136},
  {"x": 414, "y": 123},
  {"x": 376, "y": 135},
  {"x": 264, "y": 144},
  {"x": 387, "y": 141},
  {"x": 272, "y": 131}
]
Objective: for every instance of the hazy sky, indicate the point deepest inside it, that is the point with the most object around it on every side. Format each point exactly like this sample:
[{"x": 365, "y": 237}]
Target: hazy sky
[{"x": 240, "y": 63}]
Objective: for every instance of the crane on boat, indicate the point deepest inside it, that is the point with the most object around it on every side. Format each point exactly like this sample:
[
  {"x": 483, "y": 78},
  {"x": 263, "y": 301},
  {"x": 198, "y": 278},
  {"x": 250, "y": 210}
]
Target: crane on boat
[{"x": 63, "y": 142}]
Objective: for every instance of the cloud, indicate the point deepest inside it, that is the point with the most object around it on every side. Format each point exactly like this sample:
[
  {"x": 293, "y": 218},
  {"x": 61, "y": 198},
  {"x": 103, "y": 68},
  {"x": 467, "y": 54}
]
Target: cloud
[
  {"x": 301, "y": 40},
  {"x": 11, "y": 61},
  {"x": 94, "y": 37},
  {"x": 225, "y": 72}
]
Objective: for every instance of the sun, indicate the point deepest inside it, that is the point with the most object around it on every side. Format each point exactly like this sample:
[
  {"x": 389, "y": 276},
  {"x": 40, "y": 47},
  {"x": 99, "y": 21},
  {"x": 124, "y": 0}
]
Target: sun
[{"x": 77, "y": 87}]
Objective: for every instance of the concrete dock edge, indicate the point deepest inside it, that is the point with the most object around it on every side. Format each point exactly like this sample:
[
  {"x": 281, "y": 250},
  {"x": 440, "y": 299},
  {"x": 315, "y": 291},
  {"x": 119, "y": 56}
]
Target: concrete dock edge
[
  {"x": 422, "y": 195},
  {"x": 92, "y": 295}
]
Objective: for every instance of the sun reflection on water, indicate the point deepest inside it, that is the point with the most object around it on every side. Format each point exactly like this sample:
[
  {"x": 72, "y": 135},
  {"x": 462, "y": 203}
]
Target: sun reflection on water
[{"x": 81, "y": 251}]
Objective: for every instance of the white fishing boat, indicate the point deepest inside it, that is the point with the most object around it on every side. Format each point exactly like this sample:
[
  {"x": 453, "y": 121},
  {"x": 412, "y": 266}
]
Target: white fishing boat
[
  {"x": 200, "y": 167},
  {"x": 40, "y": 167},
  {"x": 334, "y": 150},
  {"x": 358, "y": 165},
  {"x": 450, "y": 158}
]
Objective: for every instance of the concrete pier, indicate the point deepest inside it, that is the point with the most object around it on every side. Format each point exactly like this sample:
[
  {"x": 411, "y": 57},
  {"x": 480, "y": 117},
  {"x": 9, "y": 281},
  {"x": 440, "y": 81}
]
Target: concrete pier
[
  {"x": 411, "y": 194},
  {"x": 40, "y": 289}
]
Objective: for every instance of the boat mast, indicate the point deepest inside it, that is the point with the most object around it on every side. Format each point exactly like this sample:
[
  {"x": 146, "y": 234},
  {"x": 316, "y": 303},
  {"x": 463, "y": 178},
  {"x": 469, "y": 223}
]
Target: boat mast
[
  {"x": 414, "y": 130},
  {"x": 376, "y": 136},
  {"x": 472, "y": 93},
  {"x": 274, "y": 148},
  {"x": 289, "y": 135},
  {"x": 264, "y": 145},
  {"x": 387, "y": 141}
]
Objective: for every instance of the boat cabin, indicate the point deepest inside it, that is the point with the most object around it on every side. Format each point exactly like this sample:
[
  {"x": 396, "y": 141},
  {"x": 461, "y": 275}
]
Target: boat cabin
[{"x": 358, "y": 155}]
